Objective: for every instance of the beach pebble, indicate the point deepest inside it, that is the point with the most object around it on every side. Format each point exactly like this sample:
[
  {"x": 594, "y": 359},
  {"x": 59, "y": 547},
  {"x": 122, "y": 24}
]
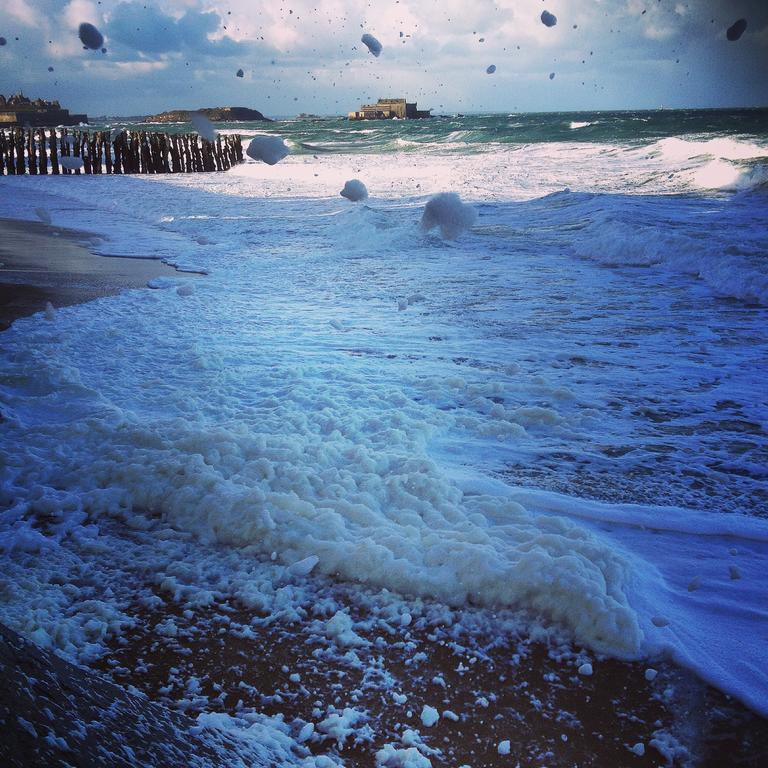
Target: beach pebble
[
  {"x": 447, "y": 212},
  {"x": 650, "y": 674},
  {"x": 504, "y": 747},
  {"x": 89, "y": 36},
  {"x": 548, "y": 19},
  {"x": 585, "y": 669},
  {"x": 638, "y": 749},
  {"x": 429, "y": 716},
  {"x": 268, "y": 149},
  {"x": 490, "y": 69},
  {"x": 736, "y": 30},
  {"x": 305, "y": 732},
  {"x": 203, "y": 126},
  {"x": 354, "y": 190},
  {"x": 373, "y": 45}
]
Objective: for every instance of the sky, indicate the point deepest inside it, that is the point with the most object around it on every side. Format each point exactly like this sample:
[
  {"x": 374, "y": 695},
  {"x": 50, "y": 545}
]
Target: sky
[{"x": 307, "y": 56}]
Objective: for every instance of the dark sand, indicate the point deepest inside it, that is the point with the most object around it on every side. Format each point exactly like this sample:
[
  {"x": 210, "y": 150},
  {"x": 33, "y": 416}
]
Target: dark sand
[{"x": 41, "y": 264}]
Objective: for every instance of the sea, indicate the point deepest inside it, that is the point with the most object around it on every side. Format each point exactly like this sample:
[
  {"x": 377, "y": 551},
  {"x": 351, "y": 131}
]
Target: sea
[{"x": 562, "y": 410}]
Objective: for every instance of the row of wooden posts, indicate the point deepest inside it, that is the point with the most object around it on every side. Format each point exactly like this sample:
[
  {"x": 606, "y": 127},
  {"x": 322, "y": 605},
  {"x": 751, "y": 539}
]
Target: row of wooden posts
[{"x": 30, "y": 150}]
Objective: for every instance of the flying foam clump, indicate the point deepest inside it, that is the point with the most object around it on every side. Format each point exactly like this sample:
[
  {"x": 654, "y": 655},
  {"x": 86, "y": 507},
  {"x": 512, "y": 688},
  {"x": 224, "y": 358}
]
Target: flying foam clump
[
  {"x": 354, "y": 190},
  {"x": 548, "y": 19},
  {"x": 447, "y": 212},
  {"x": 374, "y": 46},
  {"x": 72, "y": 163},
  {"x": 268, "y": 149},
  {"x": 203, "y": 126},
  {"x": 736, "y": 30},
  {"x": 90, "y": 37}
]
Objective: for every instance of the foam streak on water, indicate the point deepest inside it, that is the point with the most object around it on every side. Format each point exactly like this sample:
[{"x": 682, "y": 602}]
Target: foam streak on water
[{"x": 561, "y": 410}]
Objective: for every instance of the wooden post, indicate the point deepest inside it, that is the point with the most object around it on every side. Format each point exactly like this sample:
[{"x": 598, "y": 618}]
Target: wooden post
[
  {"x": 64, "y": 147},
  {"x": 197, "y": 154},
  {"x": 2, "y": 151},
  {"x": 54, "y": 154},
  {"x": 184, "y": 140},
  {"x": 114, "y": 150},
  {"x": 78, "y": 152},
  {"x": 20, "y": 169},
  {"x": 29, "y": 140},
  {"x": 105, "y": 140},
  {"x": 42, "y": 159},
  {"x": 135, "y": 153},
  {"x": 94, "y": 150},
  {"x": 85, "y": 152}
]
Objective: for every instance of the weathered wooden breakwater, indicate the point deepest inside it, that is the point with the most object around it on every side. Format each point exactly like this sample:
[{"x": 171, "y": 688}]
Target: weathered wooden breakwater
[{"x": 39, "y": 152}]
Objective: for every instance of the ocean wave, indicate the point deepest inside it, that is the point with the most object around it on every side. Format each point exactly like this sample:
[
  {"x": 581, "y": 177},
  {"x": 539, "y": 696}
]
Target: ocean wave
[{"x": 626, "y": 235}]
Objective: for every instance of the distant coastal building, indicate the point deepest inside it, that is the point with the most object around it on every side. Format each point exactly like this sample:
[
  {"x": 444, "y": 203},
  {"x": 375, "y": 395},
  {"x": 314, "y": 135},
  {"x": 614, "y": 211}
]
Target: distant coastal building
[
  {"x": 389, "y": 109},
  {"x": 19, "y": 110}
]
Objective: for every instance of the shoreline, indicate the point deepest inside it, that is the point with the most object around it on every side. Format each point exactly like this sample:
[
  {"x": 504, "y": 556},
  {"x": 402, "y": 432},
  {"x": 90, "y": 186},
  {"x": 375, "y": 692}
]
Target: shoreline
[{"x": 41, "y": 264}]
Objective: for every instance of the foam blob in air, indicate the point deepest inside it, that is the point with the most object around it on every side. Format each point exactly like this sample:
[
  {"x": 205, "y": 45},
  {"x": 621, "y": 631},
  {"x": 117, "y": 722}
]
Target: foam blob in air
[
  {"x": 548, "y": 19},
  {"x": 268, "y": 149},
  {"x": 490, "y": 69},
  {"x": 240, "y": 73},
  {"x": 72, "y": 163},
  {"x": 89, "y": 36},
  {"x": 736, "y": 30},
  {"x": 43, "y": 215},
  {"x": 354, "y": 190},
  {"x": 374, "y": 46},
  {"x": 447, "y": 212},
  {"x": 203, "y": 126}
]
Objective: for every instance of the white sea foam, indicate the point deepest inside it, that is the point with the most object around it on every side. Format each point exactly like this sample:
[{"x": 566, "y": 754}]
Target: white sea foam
[{"x": 333, "y": 440}]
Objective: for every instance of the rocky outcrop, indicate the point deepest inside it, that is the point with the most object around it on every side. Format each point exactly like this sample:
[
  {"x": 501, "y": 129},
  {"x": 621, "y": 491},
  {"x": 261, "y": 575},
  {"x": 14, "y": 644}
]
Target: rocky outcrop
[{"x": 215, "y": 114}]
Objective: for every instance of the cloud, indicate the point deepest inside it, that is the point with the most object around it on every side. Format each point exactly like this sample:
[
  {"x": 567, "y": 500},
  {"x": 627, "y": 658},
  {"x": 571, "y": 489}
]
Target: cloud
[{"x": 144, "y": 28}]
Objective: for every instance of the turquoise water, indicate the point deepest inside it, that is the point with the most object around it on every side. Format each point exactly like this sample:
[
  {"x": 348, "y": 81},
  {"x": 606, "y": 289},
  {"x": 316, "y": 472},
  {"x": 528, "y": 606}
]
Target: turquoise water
[{"x": 470, "y": 133}]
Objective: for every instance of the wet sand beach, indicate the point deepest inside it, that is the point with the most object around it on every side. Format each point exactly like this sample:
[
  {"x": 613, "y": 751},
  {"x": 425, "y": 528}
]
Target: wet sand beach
[{"x": 41, "y": 264}]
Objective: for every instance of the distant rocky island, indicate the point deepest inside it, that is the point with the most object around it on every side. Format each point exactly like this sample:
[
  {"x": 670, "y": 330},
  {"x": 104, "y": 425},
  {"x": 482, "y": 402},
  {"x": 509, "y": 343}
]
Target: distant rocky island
[{"x": 214, "y": 114}]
